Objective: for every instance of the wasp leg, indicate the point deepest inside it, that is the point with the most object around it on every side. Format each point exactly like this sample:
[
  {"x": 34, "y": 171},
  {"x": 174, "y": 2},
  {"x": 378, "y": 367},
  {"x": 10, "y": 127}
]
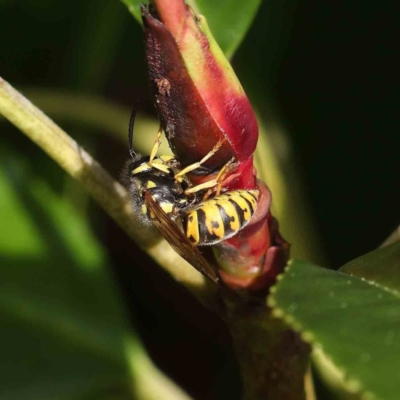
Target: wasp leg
[
  {"x": 156, "y": 145},
  {"x": 219, "y": 179},
  {"x": 209, "y": 184},
  {"x": 196, "y": 165}
]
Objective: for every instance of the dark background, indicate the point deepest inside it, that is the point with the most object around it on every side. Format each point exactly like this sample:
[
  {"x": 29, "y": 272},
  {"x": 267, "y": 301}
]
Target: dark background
[{"x": 330, "y": 70}]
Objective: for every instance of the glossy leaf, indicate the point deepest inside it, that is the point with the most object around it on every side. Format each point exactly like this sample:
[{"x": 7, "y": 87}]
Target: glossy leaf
[
  {"x": 381, "y": 266},
  {"x": 63, "y": 332},
  {"x": 354, "y": 322},
  {"x": 229, "y": 20}
]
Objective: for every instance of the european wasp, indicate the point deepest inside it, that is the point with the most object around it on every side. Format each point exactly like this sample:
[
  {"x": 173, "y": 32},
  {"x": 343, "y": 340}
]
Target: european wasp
[{"x": 185, "y": 214}]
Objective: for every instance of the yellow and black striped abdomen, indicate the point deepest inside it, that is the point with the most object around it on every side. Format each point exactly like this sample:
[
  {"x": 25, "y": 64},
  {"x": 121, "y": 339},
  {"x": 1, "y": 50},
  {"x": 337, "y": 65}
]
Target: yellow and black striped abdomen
[{"x": 221, "y": 217}]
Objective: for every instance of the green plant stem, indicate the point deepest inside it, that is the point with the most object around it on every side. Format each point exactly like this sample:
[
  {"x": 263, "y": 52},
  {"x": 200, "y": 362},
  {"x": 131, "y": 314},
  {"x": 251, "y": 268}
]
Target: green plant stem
[
  {"x": 309, "y": 385},
  {"x": 96, "y": 112},
  {"x": 111, "y": 196},
  {"x": 149, "y": 382},
  {"x": 272, "y": 358},
  {"x": 256, "y": 337}
]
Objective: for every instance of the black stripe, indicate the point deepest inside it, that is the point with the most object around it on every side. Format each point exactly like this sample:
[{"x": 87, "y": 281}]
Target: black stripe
[
  {"x": 201, "y": 219},
  {"x": 250, "y": 205},
  {"x": 205, "y": 237},
  {"x": 252, "y": 195},
  {"x": 226, "y": 219},
  {"x": 239, "y": 212}
]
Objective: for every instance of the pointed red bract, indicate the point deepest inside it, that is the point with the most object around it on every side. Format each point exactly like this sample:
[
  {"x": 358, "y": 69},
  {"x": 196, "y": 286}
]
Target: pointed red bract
[
  {"x": 198, "y": 97},
  {"x": 200, "y": 102}
]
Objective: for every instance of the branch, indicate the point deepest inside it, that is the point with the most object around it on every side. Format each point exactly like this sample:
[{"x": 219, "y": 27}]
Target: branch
[
  {"x": 255, "y": 336},
  {"x": 107, "y": 192},
  {"x": 95, "y": 112}
]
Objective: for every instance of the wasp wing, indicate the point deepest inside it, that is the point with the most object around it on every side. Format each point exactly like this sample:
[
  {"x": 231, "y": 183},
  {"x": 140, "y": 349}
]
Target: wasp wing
[{"x": 178, "y": 241}]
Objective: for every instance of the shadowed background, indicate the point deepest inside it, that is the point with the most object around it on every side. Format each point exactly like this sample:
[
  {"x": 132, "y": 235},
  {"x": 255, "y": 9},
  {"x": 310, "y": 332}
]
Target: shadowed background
[{"x": 329, "y": 72}]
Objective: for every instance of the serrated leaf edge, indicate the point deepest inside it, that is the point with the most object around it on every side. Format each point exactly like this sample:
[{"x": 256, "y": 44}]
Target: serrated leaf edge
[
  {"x": 350, "y": 383},
  {"x": 373, "y": 283}
]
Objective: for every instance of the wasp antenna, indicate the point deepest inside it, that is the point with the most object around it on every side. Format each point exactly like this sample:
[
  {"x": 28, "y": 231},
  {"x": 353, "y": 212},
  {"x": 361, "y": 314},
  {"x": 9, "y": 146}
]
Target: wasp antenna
[{"x": 130, "y": 131}]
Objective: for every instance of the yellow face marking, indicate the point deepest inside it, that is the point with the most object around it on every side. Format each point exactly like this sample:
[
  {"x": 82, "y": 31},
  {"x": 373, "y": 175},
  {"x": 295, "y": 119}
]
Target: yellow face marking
[
  {"x": 192, "y": 228},
  {"x": 230, "y": 211},
  {"x": 213, "y": 219},
  {"x": 143, "y": 209},
  {"x": 150, "y": 184}
]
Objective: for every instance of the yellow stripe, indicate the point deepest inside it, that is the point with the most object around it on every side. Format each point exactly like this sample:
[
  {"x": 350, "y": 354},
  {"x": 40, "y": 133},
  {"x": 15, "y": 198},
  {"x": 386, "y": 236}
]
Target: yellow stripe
[
  {"x": 230, "y": 211},
  {"x": 248, "y": 195},
  {"x": 213, "y": 217},
  {"x": 242, "y": 203},
  {"x": 143, "y": 209},
  {"x": 192, "y": 228}
]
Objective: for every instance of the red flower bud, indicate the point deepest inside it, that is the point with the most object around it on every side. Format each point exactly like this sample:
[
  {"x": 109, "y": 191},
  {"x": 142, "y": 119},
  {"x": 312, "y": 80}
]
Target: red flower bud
[
  {"x": 200, "y": 102},
  {"x": 198, "y": 97}
]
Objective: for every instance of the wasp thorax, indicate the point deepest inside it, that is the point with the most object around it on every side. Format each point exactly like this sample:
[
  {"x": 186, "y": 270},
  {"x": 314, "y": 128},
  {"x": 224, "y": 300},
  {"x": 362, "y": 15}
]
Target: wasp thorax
[{"x": 156, "y": 177}]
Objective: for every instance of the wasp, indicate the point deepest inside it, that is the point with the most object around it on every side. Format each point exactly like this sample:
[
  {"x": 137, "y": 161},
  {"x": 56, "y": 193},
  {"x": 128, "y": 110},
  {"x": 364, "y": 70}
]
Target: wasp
[{"x": 185, "y": 214}]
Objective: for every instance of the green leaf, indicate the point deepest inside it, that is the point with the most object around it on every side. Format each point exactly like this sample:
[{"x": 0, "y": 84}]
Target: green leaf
[
  {"x": 381, "y": 266},
  {"x": 229, "y": 20},
  {"x": 134, "y": 8},
  {"x": 354, "y": 322},
  {"x": 62, "y": 327}
]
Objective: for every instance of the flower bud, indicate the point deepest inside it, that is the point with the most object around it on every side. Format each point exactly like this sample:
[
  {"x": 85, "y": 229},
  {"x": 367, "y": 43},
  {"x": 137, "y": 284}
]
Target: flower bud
[
  {"x": 200, "y": 103},
  {"x": 198, "y": 96}
]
